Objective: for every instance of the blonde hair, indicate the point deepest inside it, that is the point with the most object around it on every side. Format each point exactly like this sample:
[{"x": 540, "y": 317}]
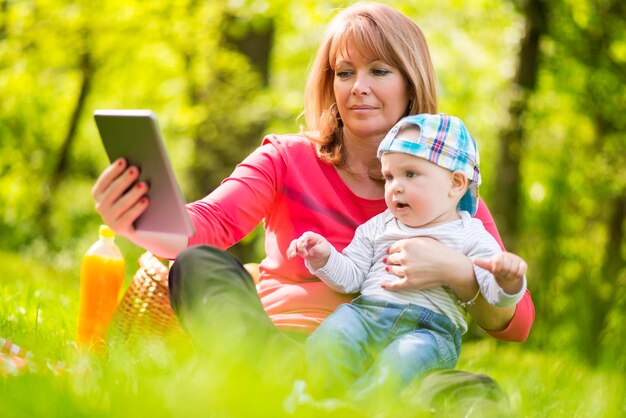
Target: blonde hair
[{"x": 380, "y": 31}]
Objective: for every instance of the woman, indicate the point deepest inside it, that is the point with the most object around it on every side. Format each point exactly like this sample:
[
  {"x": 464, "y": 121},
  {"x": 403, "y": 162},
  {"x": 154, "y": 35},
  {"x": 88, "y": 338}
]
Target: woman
[{"x": 372, "y": 68}]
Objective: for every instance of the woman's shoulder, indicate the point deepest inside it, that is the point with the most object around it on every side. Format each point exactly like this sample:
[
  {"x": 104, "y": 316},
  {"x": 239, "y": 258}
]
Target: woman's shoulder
[
  {"x": 288, "y": 141},
  {"x": 291, "y": 146}
]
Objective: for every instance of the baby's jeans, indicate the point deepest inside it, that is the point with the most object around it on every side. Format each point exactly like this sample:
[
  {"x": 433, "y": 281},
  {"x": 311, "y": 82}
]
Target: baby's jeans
[{"x": 371, "y": 345}]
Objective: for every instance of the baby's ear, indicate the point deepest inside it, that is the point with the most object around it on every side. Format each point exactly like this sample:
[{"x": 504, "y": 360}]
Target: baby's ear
[{"x": 460, "y": 183}]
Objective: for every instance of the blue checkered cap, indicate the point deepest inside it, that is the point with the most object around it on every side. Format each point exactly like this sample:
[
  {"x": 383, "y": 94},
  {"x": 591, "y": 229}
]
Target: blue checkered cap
[{"x": 445, "y": 141}]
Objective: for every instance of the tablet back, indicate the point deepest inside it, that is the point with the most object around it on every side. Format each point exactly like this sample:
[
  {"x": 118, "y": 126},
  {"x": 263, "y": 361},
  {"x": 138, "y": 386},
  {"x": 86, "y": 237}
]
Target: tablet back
[{"x": 134, "y": 135}]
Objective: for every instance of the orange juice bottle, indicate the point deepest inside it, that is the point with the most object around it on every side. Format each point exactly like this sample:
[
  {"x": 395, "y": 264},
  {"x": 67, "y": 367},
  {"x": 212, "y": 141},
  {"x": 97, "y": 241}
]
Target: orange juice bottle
[{"x": 101, "y": 277}]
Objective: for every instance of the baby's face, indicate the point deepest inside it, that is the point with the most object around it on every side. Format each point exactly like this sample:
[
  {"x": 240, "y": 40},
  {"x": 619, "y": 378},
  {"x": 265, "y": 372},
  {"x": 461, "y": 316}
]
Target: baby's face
[{"x": 417, "y": 191}]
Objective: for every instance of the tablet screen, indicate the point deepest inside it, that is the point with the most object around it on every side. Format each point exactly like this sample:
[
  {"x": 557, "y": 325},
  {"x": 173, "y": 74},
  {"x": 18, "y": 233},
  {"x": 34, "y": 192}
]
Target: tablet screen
[{"x": 135, "y": 135}]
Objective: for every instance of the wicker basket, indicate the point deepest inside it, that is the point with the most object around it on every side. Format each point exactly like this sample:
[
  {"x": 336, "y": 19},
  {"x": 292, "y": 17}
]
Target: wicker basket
[{"x": 145, "y": 311}]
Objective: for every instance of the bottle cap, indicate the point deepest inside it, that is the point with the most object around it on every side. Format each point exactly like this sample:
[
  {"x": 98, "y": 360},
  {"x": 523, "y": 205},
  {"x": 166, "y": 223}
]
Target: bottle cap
[{"x": 106, "y": 232}]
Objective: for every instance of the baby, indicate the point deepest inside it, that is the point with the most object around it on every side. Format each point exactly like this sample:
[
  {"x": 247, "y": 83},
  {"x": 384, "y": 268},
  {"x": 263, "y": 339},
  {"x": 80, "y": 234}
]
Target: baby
[{"x": 430, "y": 166}]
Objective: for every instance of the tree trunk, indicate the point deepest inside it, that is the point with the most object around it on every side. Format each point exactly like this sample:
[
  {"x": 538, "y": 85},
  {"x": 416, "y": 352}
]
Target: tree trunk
[
  {"x": 595, "y": 54},
  {"x": 61, "y": 167},
  {"x": 604, "y": 301},
  {"x": 4, "y": 19},
  {"x": 256, "y": 44},
  {"x": 613, "y": 271},
  {"x": 507, "y": 198},
  {"x": 220, "y": 141},
  {"x": 603, "y": 293},
  {"x": 613, "y": 255}
]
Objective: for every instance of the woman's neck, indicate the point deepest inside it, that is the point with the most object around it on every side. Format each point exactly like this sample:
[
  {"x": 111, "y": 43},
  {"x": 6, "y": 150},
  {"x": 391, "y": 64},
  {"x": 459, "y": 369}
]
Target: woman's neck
[
  {"x": 360, "y": 155},
  {"x": 361, "y": 171}
]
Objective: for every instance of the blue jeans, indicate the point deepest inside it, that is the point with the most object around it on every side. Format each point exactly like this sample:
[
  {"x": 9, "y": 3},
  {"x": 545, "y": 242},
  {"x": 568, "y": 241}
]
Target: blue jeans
[{"x": 370, "y": 345}]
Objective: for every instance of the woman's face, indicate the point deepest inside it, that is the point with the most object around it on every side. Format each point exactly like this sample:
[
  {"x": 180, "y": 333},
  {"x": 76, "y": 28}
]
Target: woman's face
[{"x": 371, "y": 95}]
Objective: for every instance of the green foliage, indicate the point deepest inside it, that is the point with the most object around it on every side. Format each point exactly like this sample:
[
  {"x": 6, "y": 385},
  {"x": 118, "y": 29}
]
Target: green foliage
[
  {"x": 180, "y": 58},
  {"x": 575, "y": 158},
  {"x": 545, "y": 384},
  {"x": 39, "y": 307}
]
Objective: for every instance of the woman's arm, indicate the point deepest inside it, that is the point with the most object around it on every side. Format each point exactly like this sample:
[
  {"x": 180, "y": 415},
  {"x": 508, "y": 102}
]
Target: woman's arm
[
  {"x": 502, "y": 323},
  {"x": 507, "y": 324},
  {"x": 241, "y": 201},
  {"x": 221, "y": 219},
  {"x": 424, "y": 263}
]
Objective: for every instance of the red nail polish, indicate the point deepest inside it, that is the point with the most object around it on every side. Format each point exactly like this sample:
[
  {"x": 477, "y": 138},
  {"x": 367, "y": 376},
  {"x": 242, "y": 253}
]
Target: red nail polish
[
  {"x": 139, "y": 186},
  {"x": 120, "y": 163},
  {"x": 385, "y": 260},
  {"x": 143, "y": 201},
  {"x": 131, "y": 172},
  {"x": 387, "y": 269}
]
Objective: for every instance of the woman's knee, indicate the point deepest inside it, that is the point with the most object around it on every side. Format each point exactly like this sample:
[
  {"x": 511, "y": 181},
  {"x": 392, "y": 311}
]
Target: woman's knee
[{"x": 201, "y": 271}]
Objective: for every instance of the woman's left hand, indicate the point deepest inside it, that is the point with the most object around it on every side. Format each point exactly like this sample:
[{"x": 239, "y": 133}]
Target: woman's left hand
[{"x": 424, "y": 263}]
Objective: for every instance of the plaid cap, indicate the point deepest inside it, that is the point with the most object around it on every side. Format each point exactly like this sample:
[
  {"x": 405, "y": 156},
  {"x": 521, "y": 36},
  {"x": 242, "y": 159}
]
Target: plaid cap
[{"x": 445, "y": 141}]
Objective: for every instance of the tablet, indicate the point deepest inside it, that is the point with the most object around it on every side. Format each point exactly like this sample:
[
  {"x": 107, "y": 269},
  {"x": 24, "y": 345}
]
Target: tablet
[{"x": 135, "y": 135}]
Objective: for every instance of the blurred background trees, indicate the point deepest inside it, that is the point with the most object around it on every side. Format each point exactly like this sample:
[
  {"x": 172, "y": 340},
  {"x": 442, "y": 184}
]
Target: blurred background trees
[{"x": 541, "y": 84}]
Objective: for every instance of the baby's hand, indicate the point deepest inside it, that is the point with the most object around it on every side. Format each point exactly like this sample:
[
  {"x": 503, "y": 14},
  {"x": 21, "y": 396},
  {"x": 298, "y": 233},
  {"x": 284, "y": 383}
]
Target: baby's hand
[
  {"x": 313, "y": 247},
  {"x": 508, "y": 269}
]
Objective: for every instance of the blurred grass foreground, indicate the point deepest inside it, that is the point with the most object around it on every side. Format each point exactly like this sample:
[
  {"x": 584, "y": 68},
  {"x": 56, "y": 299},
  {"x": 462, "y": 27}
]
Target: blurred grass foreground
[
  {"x": 540, "y": 83},
  {"x": 161, "y": 378}
]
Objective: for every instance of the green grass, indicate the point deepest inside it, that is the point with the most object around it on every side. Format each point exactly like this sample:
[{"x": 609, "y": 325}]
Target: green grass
[
  {"x": 157, "y": 379},
  {"x": 547, "y": 384}
]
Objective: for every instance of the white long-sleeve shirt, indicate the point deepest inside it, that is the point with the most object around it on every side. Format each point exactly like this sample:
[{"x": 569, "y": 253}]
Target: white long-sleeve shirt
[{"x": 360, "y": 267}]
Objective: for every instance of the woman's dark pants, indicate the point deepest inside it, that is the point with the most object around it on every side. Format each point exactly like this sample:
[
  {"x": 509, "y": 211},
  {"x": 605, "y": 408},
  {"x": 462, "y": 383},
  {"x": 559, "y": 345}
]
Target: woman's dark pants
[{"x": 216, "y": 302}]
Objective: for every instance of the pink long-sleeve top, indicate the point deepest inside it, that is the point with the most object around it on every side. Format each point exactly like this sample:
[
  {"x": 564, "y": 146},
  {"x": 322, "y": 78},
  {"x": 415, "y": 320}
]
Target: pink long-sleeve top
[{"x": 286, "y": 185}]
